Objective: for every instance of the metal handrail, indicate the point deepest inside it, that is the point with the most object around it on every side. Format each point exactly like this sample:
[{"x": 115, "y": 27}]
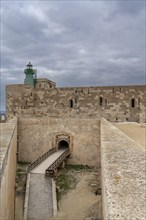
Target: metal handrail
[
  {"x": 51, "y": 169},
  {"x": 40, "y": 159}
]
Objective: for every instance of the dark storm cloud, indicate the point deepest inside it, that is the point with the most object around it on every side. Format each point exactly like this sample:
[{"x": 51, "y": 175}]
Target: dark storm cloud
[{"x": 74, "y": 43}]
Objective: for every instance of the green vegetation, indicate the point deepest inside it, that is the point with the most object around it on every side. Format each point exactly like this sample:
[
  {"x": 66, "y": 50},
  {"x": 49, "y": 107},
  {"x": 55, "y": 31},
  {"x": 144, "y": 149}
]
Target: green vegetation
[
  {"x": 21, "y": 173},
  {"x": 77, "y": 167},
  {"x": 21, "y": 162},
  {"x": 64, "y": 183},
  {"x": 66, "y": 180}
]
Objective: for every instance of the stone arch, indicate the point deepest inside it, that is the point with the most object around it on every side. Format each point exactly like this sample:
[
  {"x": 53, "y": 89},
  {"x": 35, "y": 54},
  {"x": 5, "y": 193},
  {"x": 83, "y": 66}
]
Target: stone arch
[{"x": 63, "y": 140}]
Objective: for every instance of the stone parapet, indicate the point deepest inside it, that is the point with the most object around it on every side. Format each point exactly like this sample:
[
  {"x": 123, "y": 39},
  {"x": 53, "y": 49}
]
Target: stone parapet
[
  {"x": 8, "y": 150},
  {"x": 123, "y": 175}
]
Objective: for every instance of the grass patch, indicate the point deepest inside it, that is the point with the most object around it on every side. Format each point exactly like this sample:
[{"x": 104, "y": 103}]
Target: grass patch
[
  {"x": 19, "y": 169},
  {"x": 77, "y": 167},
  {"x": 64, "y": 183},
  {"x": 20, "y": 162}
]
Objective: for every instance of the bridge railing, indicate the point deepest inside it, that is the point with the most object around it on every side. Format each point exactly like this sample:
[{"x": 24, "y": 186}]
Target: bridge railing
[
  {"x": 51, "y": 169},
  {"x": 40, "y": 159}
]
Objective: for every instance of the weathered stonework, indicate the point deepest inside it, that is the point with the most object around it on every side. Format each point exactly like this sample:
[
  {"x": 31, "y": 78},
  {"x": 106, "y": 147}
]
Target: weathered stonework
[
  {"x": 123, "y": 175},
  {"x": 8, "y": 149},
  {"x": 38, "y": 135},
  {"x": 47, "y": 115},
  {"x": 118, "y": 103},
  {"x": 44, "y": 110}
]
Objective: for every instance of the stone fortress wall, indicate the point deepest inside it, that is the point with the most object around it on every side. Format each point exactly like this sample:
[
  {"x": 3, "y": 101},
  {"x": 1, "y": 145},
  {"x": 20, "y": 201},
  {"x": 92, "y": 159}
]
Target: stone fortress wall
[
  {"x": 118, "y": 103},
  {"x": 8, "y": 154},
  {"x": 45, "y": 110},
  {"x": 38, "y": 135}
]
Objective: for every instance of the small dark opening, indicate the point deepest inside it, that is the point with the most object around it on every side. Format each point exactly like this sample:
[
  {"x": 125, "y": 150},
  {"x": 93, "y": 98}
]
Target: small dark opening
[
  {"x": 133, "y": 103},
  {"x": 71, "y": 103},
  {"x": 63, "y": 145},
  {"x": 100, "y": 101}
]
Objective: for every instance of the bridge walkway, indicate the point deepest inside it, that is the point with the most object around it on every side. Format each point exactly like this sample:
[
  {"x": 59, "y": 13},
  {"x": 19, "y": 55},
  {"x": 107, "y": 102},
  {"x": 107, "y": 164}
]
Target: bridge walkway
[
  {"x": 40, "y": 203},
  {"x": 39, "y": 196},
  {"x": 41, "y": 168}
]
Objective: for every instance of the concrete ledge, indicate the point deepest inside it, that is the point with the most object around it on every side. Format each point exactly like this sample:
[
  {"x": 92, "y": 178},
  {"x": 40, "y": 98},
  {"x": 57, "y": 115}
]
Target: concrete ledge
[
  {"x": 26, "y": 197},
  {"x": 54, "y": 198},
  {"x": 7, "y": 132},
  {"x": 123, "y": 175}
]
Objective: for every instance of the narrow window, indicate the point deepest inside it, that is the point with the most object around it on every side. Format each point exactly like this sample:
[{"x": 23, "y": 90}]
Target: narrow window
[
  {"x": 100, "y": 101},
  {"x": 71, "y": 103},
  {"x": 138, "y": 101},
  {"x": 26, "y": 102},
  {"x": 133, "y": 103}
]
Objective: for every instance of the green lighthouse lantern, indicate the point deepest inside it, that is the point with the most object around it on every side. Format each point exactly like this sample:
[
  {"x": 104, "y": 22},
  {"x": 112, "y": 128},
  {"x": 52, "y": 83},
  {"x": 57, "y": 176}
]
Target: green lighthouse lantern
[{"x": 30, "y": 75}]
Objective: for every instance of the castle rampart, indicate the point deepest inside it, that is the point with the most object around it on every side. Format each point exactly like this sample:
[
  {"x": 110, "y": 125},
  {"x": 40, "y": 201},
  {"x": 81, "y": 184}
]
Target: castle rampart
[
  {"x": 8, "y": 156},
  {"x": 123, "y": 175},
  {"x": 117, "y": 103}
]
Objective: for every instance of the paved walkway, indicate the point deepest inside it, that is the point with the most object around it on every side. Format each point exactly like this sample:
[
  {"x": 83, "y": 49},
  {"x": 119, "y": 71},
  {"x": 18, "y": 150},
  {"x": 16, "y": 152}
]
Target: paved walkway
[{"x": 40, "y": 204}]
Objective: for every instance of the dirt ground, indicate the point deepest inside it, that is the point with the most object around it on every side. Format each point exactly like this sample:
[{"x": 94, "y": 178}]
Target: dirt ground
[
  {"x": 83, "y": 201},
  {"x": 134, "y": 130}
]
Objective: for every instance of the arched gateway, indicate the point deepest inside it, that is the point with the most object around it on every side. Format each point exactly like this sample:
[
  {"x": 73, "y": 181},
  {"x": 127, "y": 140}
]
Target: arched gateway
[
  {"x": 63, "y": 144},
  {"x": 63, "y": 141}
]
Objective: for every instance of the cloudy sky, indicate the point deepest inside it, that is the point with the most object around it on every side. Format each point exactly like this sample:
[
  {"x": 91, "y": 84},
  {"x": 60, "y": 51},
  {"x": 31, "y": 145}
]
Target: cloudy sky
[{"x": 74, "y": 43}]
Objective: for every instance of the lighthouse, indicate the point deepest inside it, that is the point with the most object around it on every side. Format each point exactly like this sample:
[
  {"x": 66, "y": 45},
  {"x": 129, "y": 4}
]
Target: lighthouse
[{"x": 30, "y": 75}]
